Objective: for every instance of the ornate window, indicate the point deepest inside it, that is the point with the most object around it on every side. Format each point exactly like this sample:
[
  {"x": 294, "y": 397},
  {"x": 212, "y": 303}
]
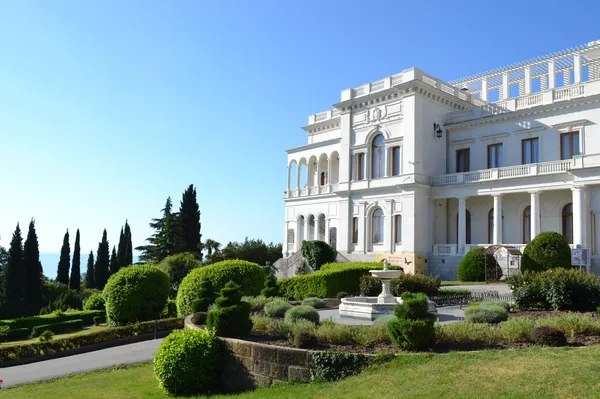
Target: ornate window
[
  {"x": 377, "y": 226},
  {"x": 567, "y": 223},
  {"x": 527, "y": 225},
  {"x": 378, "y": 157}
]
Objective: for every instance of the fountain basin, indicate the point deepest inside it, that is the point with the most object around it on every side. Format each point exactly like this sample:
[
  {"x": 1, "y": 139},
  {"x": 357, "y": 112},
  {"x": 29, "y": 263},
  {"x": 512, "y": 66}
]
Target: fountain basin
[
  {"x": 367, "y": 307},
  {"x": 386, "y": 274}
]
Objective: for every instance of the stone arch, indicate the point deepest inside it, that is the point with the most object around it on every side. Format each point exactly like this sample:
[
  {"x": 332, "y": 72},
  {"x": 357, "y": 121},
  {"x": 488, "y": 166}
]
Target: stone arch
[
  {"x": 312, "y": 178},
  {"x": 293, "y": 182},
  {"x": 334, "y": 167}
]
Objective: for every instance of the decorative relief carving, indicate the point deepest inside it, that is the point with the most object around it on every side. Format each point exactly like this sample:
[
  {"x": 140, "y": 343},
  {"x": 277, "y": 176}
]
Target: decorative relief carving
[{"x": 378, "y": 114}]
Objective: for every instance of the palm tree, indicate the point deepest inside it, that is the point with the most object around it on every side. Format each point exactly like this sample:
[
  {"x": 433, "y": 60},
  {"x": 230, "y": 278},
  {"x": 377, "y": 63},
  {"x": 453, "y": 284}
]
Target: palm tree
[{"x": 212, "y": 245}]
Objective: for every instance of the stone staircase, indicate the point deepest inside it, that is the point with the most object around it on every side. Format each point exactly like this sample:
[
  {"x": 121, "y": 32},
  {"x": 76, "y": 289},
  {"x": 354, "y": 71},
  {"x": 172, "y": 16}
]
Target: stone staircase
[{"x": 286, "y": 267}]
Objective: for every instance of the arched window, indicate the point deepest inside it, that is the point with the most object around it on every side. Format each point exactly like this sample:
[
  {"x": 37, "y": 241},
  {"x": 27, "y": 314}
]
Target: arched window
[
  {"x": 468, "y": 227},
  {"x": 378, "y": 157},
  {"x": 322, "y": 179},
  {"x": 377, "y": 226},
  {"x": 567, "y": 223},
  {"x": 527, "y": 225}
]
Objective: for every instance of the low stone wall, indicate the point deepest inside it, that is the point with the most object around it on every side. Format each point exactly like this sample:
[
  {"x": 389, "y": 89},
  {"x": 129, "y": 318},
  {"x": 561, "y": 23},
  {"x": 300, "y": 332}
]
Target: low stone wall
[{"x": 250, "y": 365}]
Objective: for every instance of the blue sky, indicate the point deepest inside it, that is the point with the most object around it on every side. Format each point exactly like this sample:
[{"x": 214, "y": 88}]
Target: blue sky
[{"x": 108, "y": 107}]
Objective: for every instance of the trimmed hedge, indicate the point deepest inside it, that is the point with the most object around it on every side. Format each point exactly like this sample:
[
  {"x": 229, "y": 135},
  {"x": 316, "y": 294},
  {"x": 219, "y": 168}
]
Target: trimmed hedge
[
  {"x": 58, "y": 328},
  {"x": 136, "y": 293},
  {"x": 58, "y": 317},
  {"x": 472, "y": 267},
  {"x": 248, "y": 275},
  {"x": 415, "y": 283},
  {"x": 326, "y": 283},
  {"x": 548, "y": 250},
  {"x": 188, "y": 362},
  {"x": 46, "y": 348}
]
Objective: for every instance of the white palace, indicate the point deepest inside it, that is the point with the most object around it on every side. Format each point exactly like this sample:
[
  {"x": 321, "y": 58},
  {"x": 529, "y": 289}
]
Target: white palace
[{"x": 420, "y": 169}]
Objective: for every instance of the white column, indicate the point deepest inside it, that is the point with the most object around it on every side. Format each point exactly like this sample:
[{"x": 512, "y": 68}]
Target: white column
[
  {"x": 362, "y": 228},
  {"x": 535, "y": 213},
  {"x": 327, "y": 230},
  {"x": 289, "y": 178},
  {"x": 504, "y": 92},
  {"x": 484, "y": 89},
  {"x": 328, "y": 177},
  {"x": 388, "y": 227},
  {"x": 577, "y": 68},
  {"x": 578, "y": 192},
  {"x": 551, "y": 75},
  {"x": 462, "y": 225},
  {"x": 298, "y": 237},
  {"x": 285, "y": 240},
  {"x": 527, "y": 81},
  {"x": 317, "y": 183},
  {"x": 497, "y": 239},
  {"x": 298, "y": 177}
]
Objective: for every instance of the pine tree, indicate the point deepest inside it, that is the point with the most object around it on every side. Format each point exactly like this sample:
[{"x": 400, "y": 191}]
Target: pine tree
[
  {"x": 161, "y": 243},
  {"x": 75, "y": 282},
  {"x": 89, "y": 275},
  {"x": 114, "y": 262},
  {"x": 64, "y": 262},
  {"x": 188, "y": 224},
  {"x": 102, "y": 262},
  {"x": 13, "y": 272},
  {"x": 32, "y": 270}
]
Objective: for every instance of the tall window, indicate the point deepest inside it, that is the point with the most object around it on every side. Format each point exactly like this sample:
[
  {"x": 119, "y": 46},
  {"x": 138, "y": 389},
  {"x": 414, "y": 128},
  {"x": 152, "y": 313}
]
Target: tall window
[
  {"x": 355, "y": 230},
  {"x": 290, "y": 236},
  {"x": 360, "y": 166},
  {"x": 567, "y": 223},
  {"x": 378, "y": 157},
  {"x": 467, "y": 226},
  {"x": 569, "y": 145},
  {"x": 495, "y": 158},
  {"x": 377, "y": 226},
  {"x": 463, "y": 160},
  {"x": 398, "y": 229},
  {"x": 323, "y": 179},
  {"x": 396, "y": 161},
  {"x": 530, "y": 151},
  {"x": 527, "y": 225}
]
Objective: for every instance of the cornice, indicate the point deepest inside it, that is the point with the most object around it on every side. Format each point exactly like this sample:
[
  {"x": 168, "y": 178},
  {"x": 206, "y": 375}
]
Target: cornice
[
  {"x": 326, "y": 125},
  {"x": 314, "y": 145}
]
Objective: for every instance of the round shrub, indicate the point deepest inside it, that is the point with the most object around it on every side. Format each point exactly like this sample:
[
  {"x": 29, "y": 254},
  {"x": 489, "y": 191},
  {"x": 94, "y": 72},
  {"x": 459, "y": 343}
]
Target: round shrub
[
  {"x": 548, "y": 336},
  {"x": 177, "y": 267},
  {"x": 473, "y": 266},
  {"x": 136, "y": 293},
  {"x": 492, "y": 314},
  {"x": 412, "y": 335},
  {"x": 305, "y": 340},
  {"x": 188, "y": 362},
  {"x": 249, "y": 276},
  {"x": 344, "y": 294},
  {"x": 548, "y": 250},
  {"x": 414, "y": 306},
  {"x": 46, "y": 336},
  {"x": 277, "y": 308},
  {"x": 271, "y": 289},
  {"x": 302, "y": 312},
  {"x": 487, "y": 304},
  {"x": 316, "y": 303},
  {"x": 384, "y": 320},
  {"x": 95, "y": 302}
]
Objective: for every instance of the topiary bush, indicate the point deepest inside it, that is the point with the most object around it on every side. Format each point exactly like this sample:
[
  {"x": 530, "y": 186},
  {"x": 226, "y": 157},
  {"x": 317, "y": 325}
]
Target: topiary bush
[
  {"x": 318, "y": 253},
  {"x": 205, "y": 298},
  {"x": 558, "y": 289},
  {"x": 370, "y": 286},
  {"x": 170, "y": 310},
  {"x": 95, "y": 302},
  {"x": 277, "y": 308},
  {"x": 316, "y": 303},
  {"x": 493, "y": 314},
  {"x": 231, "y": 317},
  {"x": 188, "y": 362},
  {"x": 270, "y": 289},
  {"x": 472, "y": 267},
  {"x": 548, "y": 250},
  {"x": 136, "y": 293},
  {"x": 413, "y": 329},
  {"x": 427, "y": 285},
  {"x": 305, "y": 340},
  {"x": 249, "y": 276},
  {"x": 302, "y": 312},
  {"x": 177, "y": 267},
  {"x": 548, "y": 336}
]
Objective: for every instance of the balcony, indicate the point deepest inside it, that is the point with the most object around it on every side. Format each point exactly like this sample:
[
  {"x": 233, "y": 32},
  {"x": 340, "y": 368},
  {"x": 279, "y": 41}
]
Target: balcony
[
  {"x": 508, "y": 172},
  {"x": 316, "y": 190}
]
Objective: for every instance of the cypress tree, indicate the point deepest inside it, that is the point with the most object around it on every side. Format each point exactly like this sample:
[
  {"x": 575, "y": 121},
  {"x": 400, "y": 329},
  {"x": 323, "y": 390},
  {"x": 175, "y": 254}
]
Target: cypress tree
[
  {"x": 188, "y": 224},
  {"x": 128, "y": 247},
  {"x": 32, "y": 270},
  {"x": 89, "y": 275},
  {"x": 114, "y": 262},
  {"x": 64, "y": 262},
  {"x": 102, "y": 262},
  {"x": 13, "y": 272},
  {"x": 75, "y": 282},
  {"x": 121, "y": 249}
]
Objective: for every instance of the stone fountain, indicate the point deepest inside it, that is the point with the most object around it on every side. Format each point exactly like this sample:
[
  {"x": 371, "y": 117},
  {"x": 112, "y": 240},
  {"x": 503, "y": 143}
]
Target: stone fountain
[{"x": 371, "y": 307}]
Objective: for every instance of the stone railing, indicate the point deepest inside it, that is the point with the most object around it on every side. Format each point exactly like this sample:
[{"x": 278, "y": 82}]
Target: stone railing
[{"x": 507, "y": 172}]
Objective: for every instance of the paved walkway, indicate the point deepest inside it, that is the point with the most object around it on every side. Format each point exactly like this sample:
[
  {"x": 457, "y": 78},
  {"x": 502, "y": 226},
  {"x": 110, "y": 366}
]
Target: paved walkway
[
  {"x": 126, "y": 354},
  {"x": 446, "y": 315}
]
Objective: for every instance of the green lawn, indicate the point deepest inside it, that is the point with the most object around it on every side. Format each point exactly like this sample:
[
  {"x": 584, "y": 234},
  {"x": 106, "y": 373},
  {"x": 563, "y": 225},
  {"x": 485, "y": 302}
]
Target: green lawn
[
  {"x": 450, "y": 282},
  {"x": 89, "y": 330},
  {"x": 531, "y": 373}
]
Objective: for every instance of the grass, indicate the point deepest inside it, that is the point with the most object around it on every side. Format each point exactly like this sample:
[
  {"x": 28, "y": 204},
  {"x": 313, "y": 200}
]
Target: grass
[
  {"x": 89, "y": 330},
  {"x": 531, "y": 373},
  {"x": 451, "y": 282}
]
